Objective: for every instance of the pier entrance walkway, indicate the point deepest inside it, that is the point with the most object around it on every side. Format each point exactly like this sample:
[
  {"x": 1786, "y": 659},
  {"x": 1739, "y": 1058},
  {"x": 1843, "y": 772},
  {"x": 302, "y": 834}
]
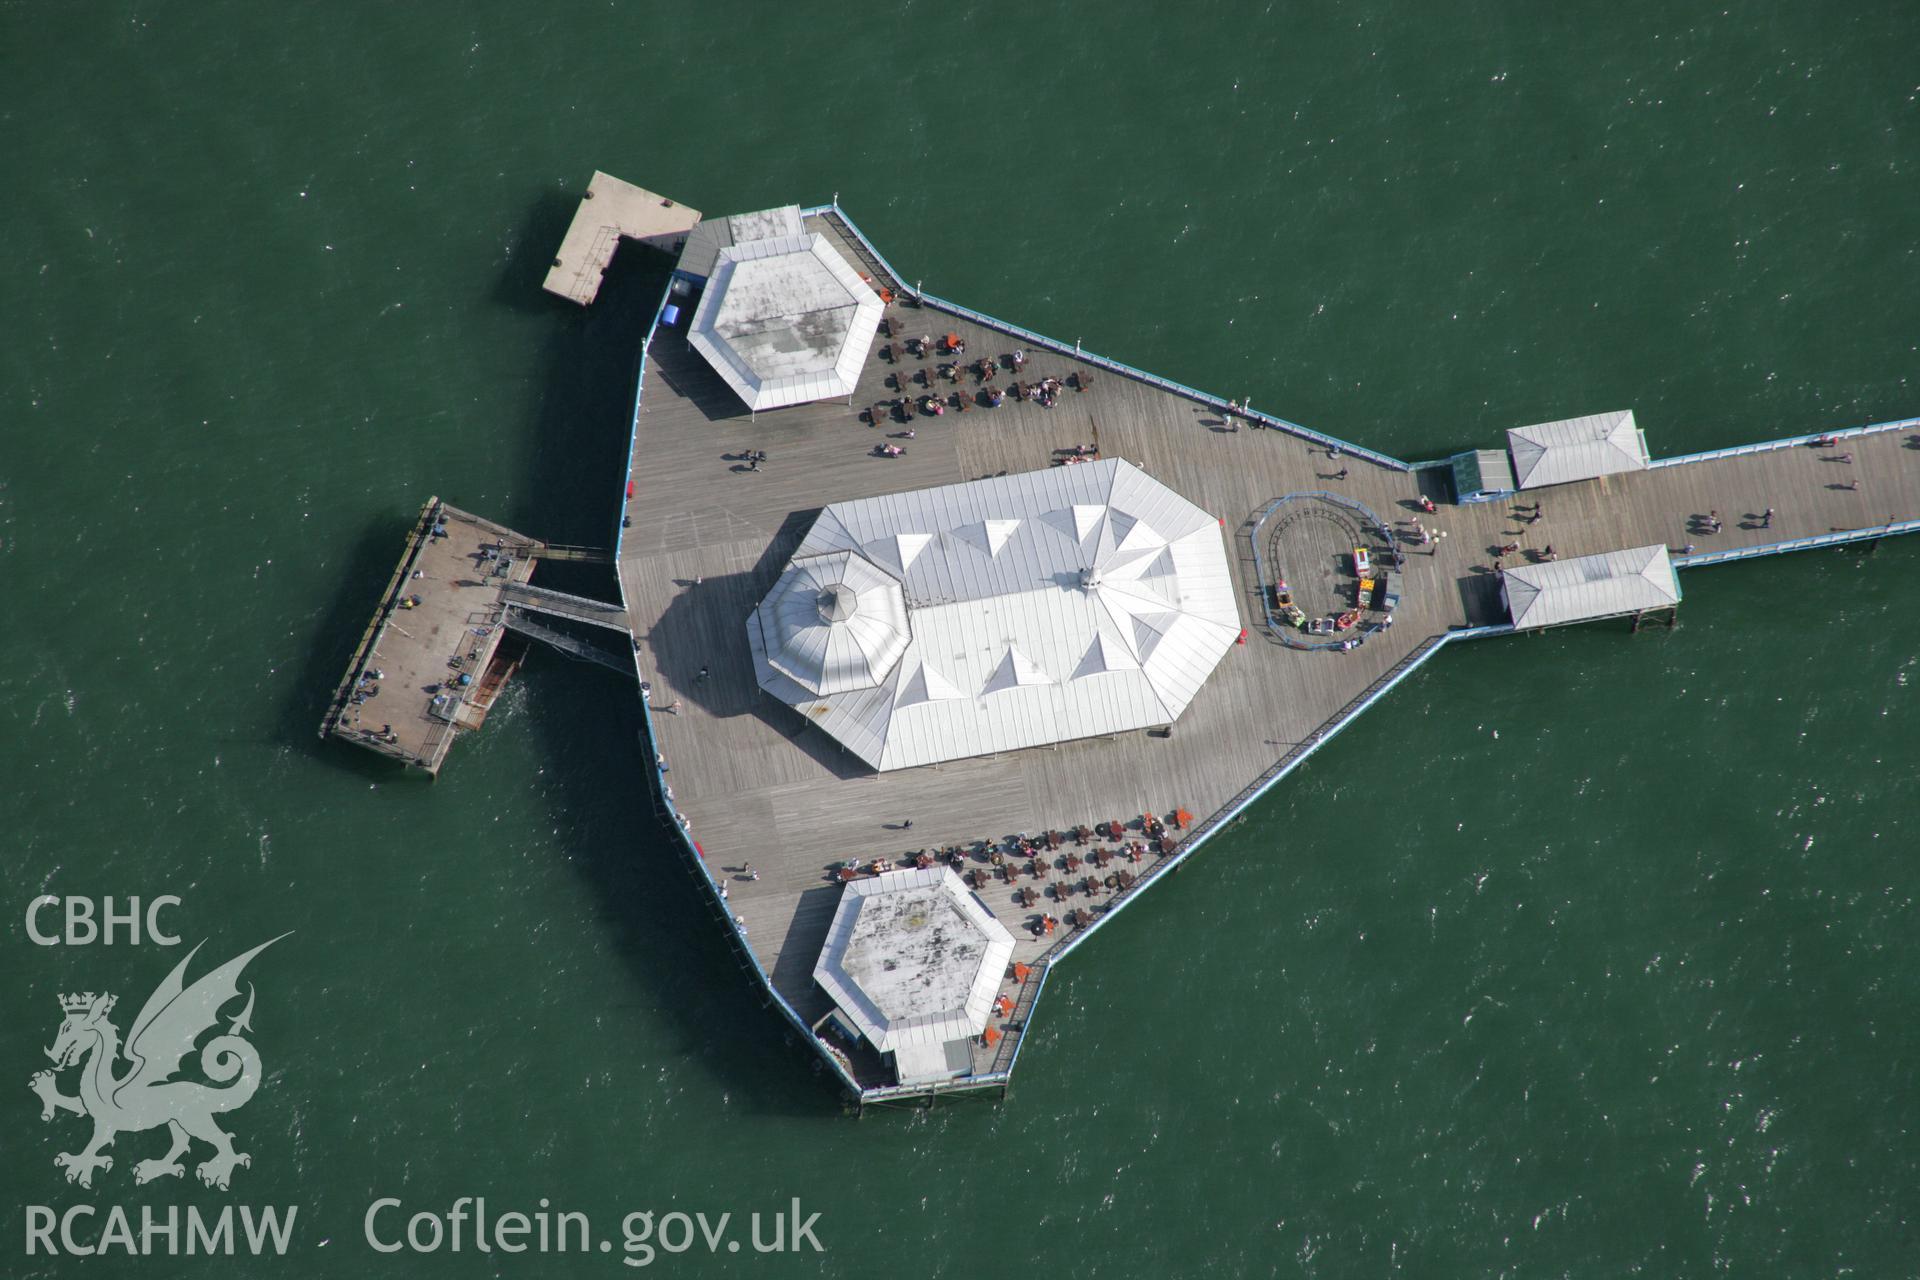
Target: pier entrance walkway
[{"x": 596, "y": 613}]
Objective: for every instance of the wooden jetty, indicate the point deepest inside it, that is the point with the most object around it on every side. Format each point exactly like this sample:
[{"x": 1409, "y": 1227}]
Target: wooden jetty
[
  {"x": 436, "y": 653},
  {"x": 707, "y": 535}
]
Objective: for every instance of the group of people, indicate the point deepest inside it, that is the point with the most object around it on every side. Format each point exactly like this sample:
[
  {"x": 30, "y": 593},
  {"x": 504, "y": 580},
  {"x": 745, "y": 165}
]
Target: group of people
[
  {"x": 368, "y": 686},
  {"x": 1045, "y": 393},
  {"x": 909, "y": 408},
  {"x": 923, "y": 346}
]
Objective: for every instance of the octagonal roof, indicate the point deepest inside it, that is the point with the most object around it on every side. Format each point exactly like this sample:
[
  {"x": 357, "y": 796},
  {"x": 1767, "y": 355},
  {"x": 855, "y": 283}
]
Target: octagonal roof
[
  {"x": 833, "y": 623},
  {"x": 785, "y": 320},
  {"x": 913, "y": 958}
]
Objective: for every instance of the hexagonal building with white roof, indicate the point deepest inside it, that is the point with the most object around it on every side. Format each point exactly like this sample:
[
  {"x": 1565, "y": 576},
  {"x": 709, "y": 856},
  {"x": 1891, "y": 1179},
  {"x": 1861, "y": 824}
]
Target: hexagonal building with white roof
[
  {"x": 999, "y": 614},
  {"x": 784, "y": 320},
  {"x": 913, "y": 959}
]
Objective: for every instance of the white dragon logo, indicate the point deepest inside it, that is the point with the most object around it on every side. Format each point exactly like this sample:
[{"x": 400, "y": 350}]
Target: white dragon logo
[{"x": 147, "y": 1096}]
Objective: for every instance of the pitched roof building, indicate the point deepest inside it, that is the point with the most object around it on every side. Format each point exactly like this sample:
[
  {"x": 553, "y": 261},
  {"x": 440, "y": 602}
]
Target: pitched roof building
[
  {"x": 1577, "y": 449},
  {"x": 1588, "y": 587}
]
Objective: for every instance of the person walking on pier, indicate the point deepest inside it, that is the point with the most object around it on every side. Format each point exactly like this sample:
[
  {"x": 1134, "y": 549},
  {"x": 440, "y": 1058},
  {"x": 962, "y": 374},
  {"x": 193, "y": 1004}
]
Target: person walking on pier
[
  {"x": 1341, "y": 474},
  {"x": 702, "y": 677},
  {"x": 1766, "y": 519}
]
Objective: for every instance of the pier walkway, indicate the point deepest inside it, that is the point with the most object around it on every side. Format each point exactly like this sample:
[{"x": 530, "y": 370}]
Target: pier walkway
[
  {"x": 753, "y": 783},
  {"x": 559, "y": 604},
  {"x": 517, "y": 621}
]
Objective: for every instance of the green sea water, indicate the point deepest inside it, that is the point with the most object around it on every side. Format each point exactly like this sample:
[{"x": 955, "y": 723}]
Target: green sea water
[{"x": 1582, "y": 955}]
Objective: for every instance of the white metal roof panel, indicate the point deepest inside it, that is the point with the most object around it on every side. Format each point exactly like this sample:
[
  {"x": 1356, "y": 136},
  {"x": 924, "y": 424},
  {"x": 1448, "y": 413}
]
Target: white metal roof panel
[
  {"x": 1586, "y": 587},
  {"x": 834, "y": 623},
  {"x": 1042, "y": 607},
  {"x": 1576, "y": 449},
  {"x": 784, "y": 320},
  {"x": 913, "y": 958},
  {"x": 765, "y": 224}
]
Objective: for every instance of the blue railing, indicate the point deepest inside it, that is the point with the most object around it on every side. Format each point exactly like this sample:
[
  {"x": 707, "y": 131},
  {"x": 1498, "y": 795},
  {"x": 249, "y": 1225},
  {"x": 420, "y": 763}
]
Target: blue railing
[
  {"x": 1266, "y": 782},
  {"x": 737, "y": 936},
  {"x": 1790, "y": 442},
  {"x": 1835, "y": 539},
  {"x": 633, "y": 434},
  {"x": 846, "y": 224},
  {"x": 1046, "y": 969},
  {"x": 1732, "y": 451},
  {"x": 682, "y": 834},
  {"x": 1117, "y": 367}
]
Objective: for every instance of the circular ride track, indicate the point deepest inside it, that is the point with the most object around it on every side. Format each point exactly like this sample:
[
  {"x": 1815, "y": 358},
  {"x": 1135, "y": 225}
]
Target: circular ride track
[{"x": 1304, "y": 546}]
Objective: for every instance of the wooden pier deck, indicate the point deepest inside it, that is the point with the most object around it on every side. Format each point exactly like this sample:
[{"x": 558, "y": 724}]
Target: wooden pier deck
[
  {"x": 437, "y": 619},
  {"x": 609, "y": 211},
  {"x": 755, "y": 783}
]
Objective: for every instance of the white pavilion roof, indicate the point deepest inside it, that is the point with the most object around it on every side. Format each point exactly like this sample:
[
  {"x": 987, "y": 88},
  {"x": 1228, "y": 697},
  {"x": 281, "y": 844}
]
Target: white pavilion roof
[
  {"x": 1577, "y": 449},
  {"x": 785, "y": 320},
  {"x": 913, "y": 958},
  {"x": 836, "y": 621},
  {"x": 1042, "y": 607},
  {"x": 1601, "y": 586}
]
